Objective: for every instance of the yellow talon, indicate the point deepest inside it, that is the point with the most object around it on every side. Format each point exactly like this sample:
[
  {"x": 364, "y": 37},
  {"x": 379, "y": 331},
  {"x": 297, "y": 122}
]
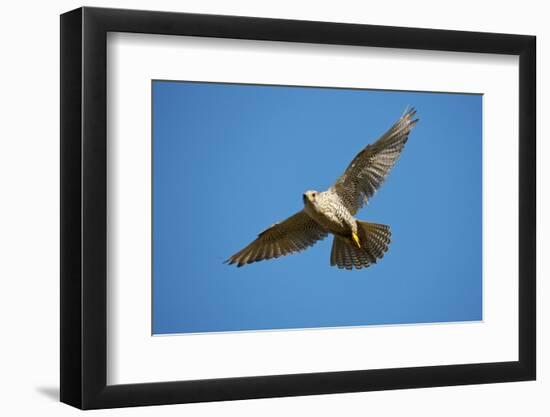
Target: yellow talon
[{"x": 356, "y": 239}]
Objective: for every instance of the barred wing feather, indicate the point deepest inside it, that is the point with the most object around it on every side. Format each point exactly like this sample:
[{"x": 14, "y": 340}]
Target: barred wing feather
[
  {"x": 370, "y": 167},
  {"x": 295, "y": 234}
]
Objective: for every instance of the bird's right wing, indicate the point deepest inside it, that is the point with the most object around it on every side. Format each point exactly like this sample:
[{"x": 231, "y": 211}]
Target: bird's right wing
[{"x": 295, "y": 234}]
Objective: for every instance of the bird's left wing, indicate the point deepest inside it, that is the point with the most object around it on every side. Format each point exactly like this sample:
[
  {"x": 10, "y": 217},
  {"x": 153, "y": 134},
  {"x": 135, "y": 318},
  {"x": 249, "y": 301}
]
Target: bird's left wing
[
  {"x": 370, "y": 167},
  {"x": 295, "y": 234}
]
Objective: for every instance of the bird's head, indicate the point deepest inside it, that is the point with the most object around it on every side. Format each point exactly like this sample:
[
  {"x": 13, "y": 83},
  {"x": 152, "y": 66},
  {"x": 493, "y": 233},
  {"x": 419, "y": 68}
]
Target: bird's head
[{"x": 310, "y": 196}]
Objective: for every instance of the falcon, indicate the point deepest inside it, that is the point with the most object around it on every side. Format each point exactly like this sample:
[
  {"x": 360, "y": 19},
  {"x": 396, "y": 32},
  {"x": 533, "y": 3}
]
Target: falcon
[{"x": 357, "y": 244}]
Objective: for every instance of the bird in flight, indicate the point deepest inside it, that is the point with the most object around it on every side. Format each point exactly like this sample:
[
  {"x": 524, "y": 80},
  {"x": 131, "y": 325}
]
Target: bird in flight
[{"x": 357, "y": 244}]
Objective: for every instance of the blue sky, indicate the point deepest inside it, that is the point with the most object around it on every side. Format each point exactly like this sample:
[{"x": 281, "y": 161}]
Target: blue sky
[{"x": 229, "y": 160}]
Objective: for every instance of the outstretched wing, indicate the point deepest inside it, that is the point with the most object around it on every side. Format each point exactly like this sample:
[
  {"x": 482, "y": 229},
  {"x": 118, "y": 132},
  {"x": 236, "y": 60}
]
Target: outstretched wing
[
  {"x": 368, "y": 170},
  {"x": 295, "y": 234}
]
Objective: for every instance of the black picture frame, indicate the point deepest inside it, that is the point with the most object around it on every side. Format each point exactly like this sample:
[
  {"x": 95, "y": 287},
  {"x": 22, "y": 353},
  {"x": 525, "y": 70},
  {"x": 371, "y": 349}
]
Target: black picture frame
[{"x": 84, "y": 197}]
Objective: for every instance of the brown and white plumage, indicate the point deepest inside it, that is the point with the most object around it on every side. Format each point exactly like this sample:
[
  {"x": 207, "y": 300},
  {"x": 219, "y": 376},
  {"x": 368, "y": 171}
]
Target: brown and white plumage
[
  {"x": 370, "y": 167},
  {"x": 376, "y": 238},
  {"x": 295, "y": 234},
  {"x": 357, "y": 244}
]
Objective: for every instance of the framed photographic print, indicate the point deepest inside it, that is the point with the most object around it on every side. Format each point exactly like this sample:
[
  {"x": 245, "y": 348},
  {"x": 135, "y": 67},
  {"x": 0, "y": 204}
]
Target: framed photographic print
[{"x": 258, "y": 207}]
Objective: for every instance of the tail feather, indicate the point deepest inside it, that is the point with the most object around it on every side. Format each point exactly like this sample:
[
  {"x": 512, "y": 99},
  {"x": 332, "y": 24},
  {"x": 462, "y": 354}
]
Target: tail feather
[{"x": 374, "y": 239}]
